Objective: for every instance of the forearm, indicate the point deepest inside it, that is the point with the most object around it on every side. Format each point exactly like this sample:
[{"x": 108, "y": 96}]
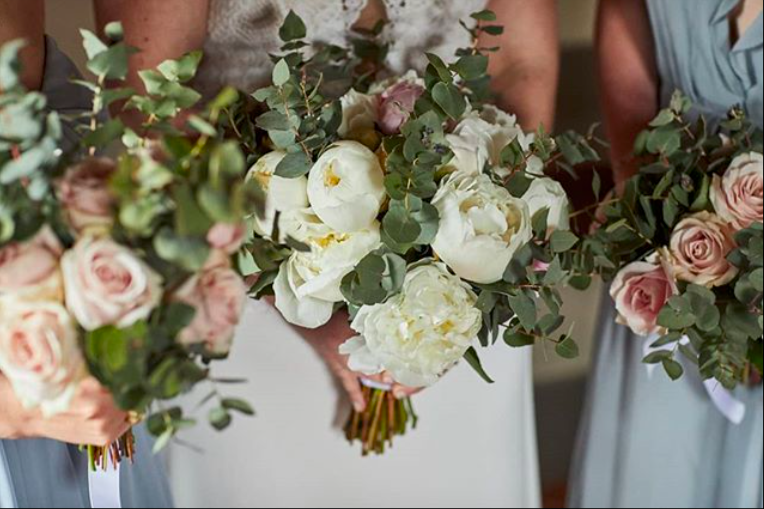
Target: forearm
[
  {"x": 13, "y": 418},
  {"x": 627, "y": 77},
  {"x": 25, "y": 19},
  {"x": 525, "y": 70}
]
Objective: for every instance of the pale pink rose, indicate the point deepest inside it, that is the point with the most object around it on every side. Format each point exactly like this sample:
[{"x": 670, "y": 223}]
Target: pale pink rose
[
  {"x": 699, "y": 248},
  {"x": 107, "y": 284},
  {"x": 85, "y": 195},
  {"x": 39, "y": 354},
  {"x": 218, "y": 294},
  {"x": 227, "y": 237},
  {"x": 30, "y": 270},
  {"x": 738, "y": 196},
  {"x": 396, "y": 105},
  {"x": 640, "y": 292}
]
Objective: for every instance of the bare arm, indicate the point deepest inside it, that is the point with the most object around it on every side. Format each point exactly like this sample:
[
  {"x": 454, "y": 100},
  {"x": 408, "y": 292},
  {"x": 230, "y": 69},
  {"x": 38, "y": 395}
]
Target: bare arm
[
  {"x": 628, "y": 78},
  {"x": 25, "y": 19},
  {"x": 526, "y": 69},
  {"x": 92, "y": 418},
  {"x": 161, "y": 30}
]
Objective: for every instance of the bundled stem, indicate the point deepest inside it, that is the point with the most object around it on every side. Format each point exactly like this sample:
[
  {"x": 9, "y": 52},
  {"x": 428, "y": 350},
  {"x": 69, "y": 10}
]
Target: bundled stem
[
  {"x": 99, "y": 458},
  {"x": 385, "y": 418}
]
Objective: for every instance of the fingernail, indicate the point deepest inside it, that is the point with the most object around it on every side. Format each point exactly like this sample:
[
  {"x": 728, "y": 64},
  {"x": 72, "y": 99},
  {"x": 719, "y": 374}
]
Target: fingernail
[
  {"x": 400, "y": 394},
  {"x": 358, "y": 406}
]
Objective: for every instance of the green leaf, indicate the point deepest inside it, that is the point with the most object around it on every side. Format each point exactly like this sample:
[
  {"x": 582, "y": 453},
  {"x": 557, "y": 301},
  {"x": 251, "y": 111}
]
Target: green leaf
[
  {"x": 485, "y": 15},
  {"x": 563, "y": 241},
  {"x": 281, "y": 73},
  {"x": 450, "y": 99},
  {"x": 92, "y": 44},
  {"x": 293, "y": 28},
  {"x": 220, "y": 418},
  {"x": 473, "y": 359},
  {"x": 238, "y": 405},
  {"x": 181, "y": 70},
  {"x": 525, "y": 309},
  {"x": 471, "y": 67},
  {"x": 665, "y": 117},
  {"x": 518, "y": 339},
  {"x": 294, "y": 165},
  {"x": 674, "y": 370},
  {"x": 188, "y": 252},
  {"x": 567, "y": 348}
]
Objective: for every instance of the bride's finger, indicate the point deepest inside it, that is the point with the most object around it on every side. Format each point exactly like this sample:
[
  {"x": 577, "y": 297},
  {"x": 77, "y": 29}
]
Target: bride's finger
[{"x": 352, "y": 386}]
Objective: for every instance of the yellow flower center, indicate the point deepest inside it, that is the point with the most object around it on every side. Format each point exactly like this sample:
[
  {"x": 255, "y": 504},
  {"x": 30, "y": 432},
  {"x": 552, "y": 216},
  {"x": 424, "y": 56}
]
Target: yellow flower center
[
  {"x": 331, "y": 179},
  {"x": 332, "y": 238},
  {"x": 264, "y": 179}
]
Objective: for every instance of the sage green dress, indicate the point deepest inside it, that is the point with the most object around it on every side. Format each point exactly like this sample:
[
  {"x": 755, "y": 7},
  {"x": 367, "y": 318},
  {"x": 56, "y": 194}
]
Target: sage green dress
[
  {"x": 646, "y": 441},
  {"x": 45, "y": 473}
]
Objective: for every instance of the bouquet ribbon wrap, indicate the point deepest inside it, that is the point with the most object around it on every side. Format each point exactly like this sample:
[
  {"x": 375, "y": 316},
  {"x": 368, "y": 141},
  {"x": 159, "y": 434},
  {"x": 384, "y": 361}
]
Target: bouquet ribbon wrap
[
  {"x": 724, "y": 400},
  {"x": 104, "y": 489}
]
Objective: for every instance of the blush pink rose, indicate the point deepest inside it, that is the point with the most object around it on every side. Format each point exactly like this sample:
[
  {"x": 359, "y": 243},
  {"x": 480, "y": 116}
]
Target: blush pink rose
[
  {"x": 227, "y": 237},
  {"x": 738, "y": 196},
  {"x": 640, "y": 292},
  {"x": 699, "y": 249},
  {"x": 39, "y": 354},
  {"x": 396, "y": 105},
  {"x": 218, "y": 294},
  {"x": 85, "y": 195},
  {"x": 107, "y": 284},
  {"x": 30, "y": 270}
]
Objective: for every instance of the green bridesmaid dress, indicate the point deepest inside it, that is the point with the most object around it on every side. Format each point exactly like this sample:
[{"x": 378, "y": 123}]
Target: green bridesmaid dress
[
  {"x": 45, "y": 473},
  {"x": 646, "y": 441}
]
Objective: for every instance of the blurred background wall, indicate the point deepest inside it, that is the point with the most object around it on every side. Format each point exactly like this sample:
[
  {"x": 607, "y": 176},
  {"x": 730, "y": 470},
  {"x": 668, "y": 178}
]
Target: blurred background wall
[{"x": 560, "y": 384}]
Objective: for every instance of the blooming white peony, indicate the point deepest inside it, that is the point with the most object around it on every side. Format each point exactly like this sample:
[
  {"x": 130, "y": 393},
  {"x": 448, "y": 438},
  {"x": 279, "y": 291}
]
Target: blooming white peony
[
  {"x": 482, "y": 226},
  {"x": 480, "y": 138},
  {"x": 359, "y": 114},
  {"x": 107, "y": 284},
  {"x": 308, "y": 284},
  {"x": 39, "y": 354},
  {"x": 418, "y": 334},
  {"x": 281, "y": 194},
  {"x": 545, "y": 193},
  {"x": 346, "y": 187}
]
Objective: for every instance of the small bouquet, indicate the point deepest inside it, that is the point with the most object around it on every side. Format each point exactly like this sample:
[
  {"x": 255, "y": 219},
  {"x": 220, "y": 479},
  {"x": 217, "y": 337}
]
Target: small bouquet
[
  {"x": 683, "y": 246},
  {"x": 412, "y": 203},
  {"x": 118, "y": 269}
]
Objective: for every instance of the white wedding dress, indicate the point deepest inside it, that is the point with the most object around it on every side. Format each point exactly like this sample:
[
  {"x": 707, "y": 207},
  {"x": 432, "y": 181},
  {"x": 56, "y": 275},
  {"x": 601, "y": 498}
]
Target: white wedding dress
[{"x": 475, "y": 445}]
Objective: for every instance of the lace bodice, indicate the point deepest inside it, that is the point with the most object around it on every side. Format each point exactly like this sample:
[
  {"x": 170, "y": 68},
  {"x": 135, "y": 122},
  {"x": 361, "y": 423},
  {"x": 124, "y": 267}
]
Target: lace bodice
[{"x": 242, "y": 34}]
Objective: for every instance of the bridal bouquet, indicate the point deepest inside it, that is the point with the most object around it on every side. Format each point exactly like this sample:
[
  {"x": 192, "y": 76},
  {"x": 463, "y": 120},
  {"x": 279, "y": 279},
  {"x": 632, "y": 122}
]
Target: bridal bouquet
[
  {"x": 684, "y": 246},
  {"x": 412, "y": 203},
  {"x": 118, "y": 269}
]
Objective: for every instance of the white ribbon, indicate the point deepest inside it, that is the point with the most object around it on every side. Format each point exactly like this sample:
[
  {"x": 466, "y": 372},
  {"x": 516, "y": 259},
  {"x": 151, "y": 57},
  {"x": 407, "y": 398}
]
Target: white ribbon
[
  {"x": 371, "y": 384},
  {"x": 728, "y": 405},
  {"x": 104, "y": 489}
]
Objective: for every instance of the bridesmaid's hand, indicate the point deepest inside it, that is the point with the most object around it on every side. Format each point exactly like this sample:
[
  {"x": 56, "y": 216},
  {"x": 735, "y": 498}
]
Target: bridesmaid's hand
[
  {"x": 327, "y": 341},
  {"x": 92, "y": 419}
]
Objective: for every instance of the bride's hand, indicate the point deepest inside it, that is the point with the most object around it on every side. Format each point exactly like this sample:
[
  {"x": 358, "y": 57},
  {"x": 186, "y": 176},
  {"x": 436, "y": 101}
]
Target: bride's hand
[
  {"x": 327, "y": 341},
  {"x": 92, "y": 418}
]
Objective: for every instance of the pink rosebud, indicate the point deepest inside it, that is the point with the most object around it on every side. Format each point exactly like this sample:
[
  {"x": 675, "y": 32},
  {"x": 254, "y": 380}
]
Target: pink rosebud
[
  {"x": 227, "y": 237},
  {"x": 396, "y": 105}
]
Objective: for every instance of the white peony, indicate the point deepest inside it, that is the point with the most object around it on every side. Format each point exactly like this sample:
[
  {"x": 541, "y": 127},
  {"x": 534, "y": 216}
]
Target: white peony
[
  {"x": 346, "y": 187},
  {"x": 39, "y": 354},
  {"x": 308, "y": 284},
  {"x": 418, "y": 334},
  {"x": 545, "y": 193},
  {"x": 281, "y": 194},
  {"x": 480, "y": 138},
  {"x": 482, "y": 226},
  {"x": 359, "y": 114}
]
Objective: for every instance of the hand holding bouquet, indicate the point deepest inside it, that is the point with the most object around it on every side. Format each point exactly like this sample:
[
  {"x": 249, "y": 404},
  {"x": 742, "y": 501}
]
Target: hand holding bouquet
[
  {"x": 413, "y": 203},
  {"x": 684, "y": 246},
  {"x": 119, "y": 269}
]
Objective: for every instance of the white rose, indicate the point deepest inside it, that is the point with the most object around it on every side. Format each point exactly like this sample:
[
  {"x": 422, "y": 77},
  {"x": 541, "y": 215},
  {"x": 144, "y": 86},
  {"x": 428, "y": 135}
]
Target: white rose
[
  {"x": 281, "y": 194},
  {"x": 548, "y": 194},
  {"x": 308, "y": 284},
  {"x": 482, "y": 226},
  {"x": 346, "y": 187},
  {"x": 107, "y": 284},
  {"x": 418, "y": 334},
  {"x": 359, "y": 114},
  {"x": 480, "y": 138},
  {"x": 39, "y": 354}
]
